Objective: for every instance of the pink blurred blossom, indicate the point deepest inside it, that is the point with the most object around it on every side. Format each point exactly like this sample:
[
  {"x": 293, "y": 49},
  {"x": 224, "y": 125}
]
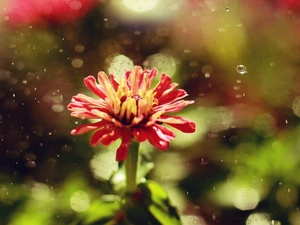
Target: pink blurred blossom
[
  {"x": 289, "y": 4},
  {"x": 28, "y": 12}
]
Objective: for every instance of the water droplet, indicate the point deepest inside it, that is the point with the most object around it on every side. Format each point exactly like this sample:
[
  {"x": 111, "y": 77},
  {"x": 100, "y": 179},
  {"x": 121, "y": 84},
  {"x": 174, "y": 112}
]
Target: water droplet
[
  {"x": 222, "y": 29},
  {"x": 26, "y": 91},
  {"x": 187, "y": 50},
  {"x": 272, "y": 64},
  {"x": 79, "y": 48},
  {"x": 77, "y": 63},
  {"x": 194, "y": 75},
  {"x": 227, "y": 9},
  {"x": 31, "y": 164},
  {"x": 137, "y": 32},
  {"x": 241, "y": 69},
  {"x": 296, "y": 106},
  {"x": 236, "y": 87},
  {"x": 207, "y": 69},
  {"x": 19, "y": 65},
  {"x": 75, "y": 5},
  {"x": 162, "y": 31},
  {"x": 66, "y": 148},
  {"x": 216, "y": 216},
  {"x": 58, "y": 108},
  {"x": 194, "y": 64},
  {"x": 110, "y": 24}
]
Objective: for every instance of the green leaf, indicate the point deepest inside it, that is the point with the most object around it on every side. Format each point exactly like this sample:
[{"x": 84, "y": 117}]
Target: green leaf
[
  {"x": 151, "y": 206},
  {"x": 101, "y": 210}
]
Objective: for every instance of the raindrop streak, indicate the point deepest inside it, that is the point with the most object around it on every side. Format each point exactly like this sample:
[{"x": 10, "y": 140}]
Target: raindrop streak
[{"x": 241, "y": 69}]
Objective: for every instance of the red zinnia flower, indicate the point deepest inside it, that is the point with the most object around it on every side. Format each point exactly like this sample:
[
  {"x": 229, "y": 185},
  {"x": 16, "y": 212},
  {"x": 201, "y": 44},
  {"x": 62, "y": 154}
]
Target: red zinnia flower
[{"x": 129, "y": 109}]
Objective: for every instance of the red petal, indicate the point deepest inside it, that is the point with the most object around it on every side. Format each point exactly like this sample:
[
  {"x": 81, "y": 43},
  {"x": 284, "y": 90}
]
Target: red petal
[
  {"x": 172, "y": 96},
  {"x": 164, "y": 133},
  {"x": 127, "y": 74},
  {"x": 159, "y": 144},
  {"x": 90, "y": 83},
  {"x": 114, "y": 83},
  {"x": 173, "y": 107},
  {"x": 87, "y": 101},
  {"x": 151, "y": 75},
  {"x": 140, "y": 134},
  {"x": 107, "y": 86},
  {"x": 178, "y": 122},
  {"x": 123, "y": 149},
  {"x": 109, "y": 138},
  {"x": 88, "y": 127},
  {"x": 164, "y": 84},
  {"x": 95, "y": 139},
  {"x": 158, "y": 138},
  {"x": 80, "y": 112},
  {"x": 189, "y": 127},
  {"x": 134, "y": 79}
]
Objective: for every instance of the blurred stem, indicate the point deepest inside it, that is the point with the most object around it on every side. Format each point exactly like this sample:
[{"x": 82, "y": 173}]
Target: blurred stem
[{"x": 131, "y": 164}]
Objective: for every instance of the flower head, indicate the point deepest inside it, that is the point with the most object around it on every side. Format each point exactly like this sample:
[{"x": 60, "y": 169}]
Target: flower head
[{"x": 129, "y": 109}]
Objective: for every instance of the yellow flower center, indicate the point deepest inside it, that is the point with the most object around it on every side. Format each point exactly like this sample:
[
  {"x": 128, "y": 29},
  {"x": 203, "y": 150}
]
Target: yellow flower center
[{"x": 131, "y": 108}]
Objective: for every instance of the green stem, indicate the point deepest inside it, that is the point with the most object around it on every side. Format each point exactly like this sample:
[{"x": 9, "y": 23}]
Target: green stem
[{"x": 131, "y": 164}]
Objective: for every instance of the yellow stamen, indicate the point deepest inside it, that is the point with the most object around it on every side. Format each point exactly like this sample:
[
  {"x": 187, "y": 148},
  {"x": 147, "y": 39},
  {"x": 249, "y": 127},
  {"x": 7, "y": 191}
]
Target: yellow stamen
[
  {"x": 122, "y": 89},
  {"x": 137, "y": 120},
  {"x": 117, "y": 106},
  {"x": 156, "y": 115},
  {"x": 143, "y": 105},
  {"x": 101, "y": 115},
  {"x": 131, "y": 108},
  {"x": 123, "y": 109}
]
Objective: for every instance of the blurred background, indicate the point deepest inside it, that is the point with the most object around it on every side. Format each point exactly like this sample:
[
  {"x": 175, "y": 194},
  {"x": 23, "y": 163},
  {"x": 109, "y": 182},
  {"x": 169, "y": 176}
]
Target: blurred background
[{"x": 238, "y": 59}]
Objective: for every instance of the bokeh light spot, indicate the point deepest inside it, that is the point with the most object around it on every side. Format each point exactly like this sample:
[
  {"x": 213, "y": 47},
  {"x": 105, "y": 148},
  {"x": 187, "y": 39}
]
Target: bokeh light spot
[
  {"x": 119, "y": 64},
  {"x": 77, "y": 63},
  {"x": 162, "y": 62},
  {"x": 246, "y": 198},
  {"x": 58, "y": 108},
  {"x": 40, "y": 192},
  {"x": 140, "y": 5},
  {"x": 103, "y": 165},
  {"x": 80, "y": 201},
  {"x": 258, "y": 219}
]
